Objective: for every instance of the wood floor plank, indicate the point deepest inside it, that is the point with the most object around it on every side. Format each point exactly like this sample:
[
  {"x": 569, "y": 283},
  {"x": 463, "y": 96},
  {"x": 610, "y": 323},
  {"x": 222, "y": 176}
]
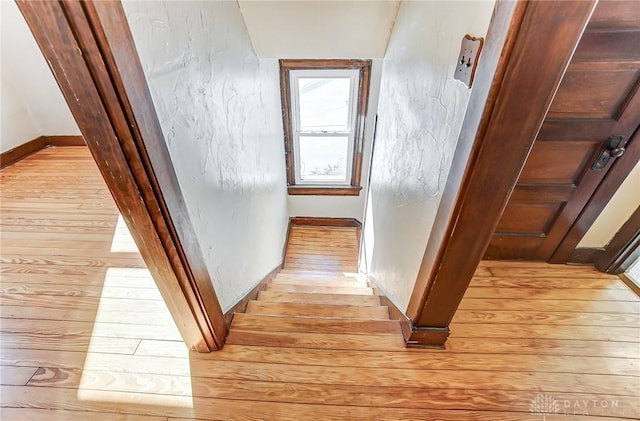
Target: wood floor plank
[
  {"x": 80, "y": 291},
  {"x": 547, "y": 283},
  {"x": 548, "y": 318},
  {"x": 525, "y": 304},
  {"x": 314, "y": 325},
  {"x": 95, "y": 361},
  {"x": 16, "y": 376},
  {"x": 242, "y": 382},
  {"x": 83, "y": 325},
  {"x": 69, "y": 343},
  {"x": 429, "y": 359},
  {"x": 62, "y": 415},
  {"x": 93, "y": 329},
  {"x": 121, "y": 316},
  {"x": 182, "y": 407},
  {"x": 545, "y": 294},
  {"x": 455, "y": 344},
  {"x": 83, "y": 303},
  {"x": 532, "y": 331}
]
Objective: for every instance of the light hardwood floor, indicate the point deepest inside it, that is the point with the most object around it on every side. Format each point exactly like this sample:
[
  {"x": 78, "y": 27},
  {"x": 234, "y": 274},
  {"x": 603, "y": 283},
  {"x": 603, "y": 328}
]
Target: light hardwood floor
[{"x": 85, "y": 336}]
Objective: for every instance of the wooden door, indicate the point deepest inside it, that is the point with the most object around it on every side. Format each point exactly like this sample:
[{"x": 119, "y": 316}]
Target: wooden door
[{"x": 598, "y": 97}]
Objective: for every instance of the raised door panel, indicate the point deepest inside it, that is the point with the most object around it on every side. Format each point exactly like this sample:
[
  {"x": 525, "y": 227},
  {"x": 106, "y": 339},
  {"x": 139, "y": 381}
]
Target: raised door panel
[
  {"x": 597, "y": 98},
  {"x": 557, "y": 162},
  {"x": 601, "y": 94}
]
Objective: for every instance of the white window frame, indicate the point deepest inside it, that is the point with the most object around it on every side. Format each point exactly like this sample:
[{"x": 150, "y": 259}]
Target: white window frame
[{"x": 294, "y": 76}]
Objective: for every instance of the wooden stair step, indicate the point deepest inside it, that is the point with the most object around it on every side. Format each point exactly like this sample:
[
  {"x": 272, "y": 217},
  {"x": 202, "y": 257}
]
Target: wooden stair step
[
  {"x": 319, "y": 282},
  {"x": 320, "y": 310},
  {"x": 265, "y": 323},
  {"x": 319, "y": 273},
  {"x": 343, "y": 299},
  {"x": 318, "y": 289},
  {"x": 324, "y": 277},
  {"x": 372, "y": 342}
]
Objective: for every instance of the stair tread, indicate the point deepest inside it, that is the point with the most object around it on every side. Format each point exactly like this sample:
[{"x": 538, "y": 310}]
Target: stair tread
[
  {"x": 266, "y": 323},
  {"x": 319, "y": 298},
  {"x": 323, "y": 310},
  {"x": 306, "y": 272},
  {"x": 371, "y": 342},
  {"x": 359, "y": 278},
  {"x": 320, "y": 282},
  {"x": 318, "y": 289}
]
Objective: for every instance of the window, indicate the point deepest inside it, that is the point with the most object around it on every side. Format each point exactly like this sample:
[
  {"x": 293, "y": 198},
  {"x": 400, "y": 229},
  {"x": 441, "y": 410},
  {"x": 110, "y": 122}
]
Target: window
[{"x": 324, "y": 104}]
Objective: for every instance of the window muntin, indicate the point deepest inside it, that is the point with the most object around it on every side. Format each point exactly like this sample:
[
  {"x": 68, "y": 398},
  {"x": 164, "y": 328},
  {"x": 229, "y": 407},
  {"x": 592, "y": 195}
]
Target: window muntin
[{"x": 324, "y": 110}]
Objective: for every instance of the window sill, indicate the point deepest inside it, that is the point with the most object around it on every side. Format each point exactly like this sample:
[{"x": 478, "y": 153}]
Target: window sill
[{"x": 324, "y": 190}]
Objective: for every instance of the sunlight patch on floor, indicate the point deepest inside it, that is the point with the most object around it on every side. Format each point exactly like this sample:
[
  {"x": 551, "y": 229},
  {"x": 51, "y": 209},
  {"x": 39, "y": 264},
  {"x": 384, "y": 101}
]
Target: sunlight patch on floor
[
  {"x": 126, "y": 370},
  {"x": 122, "y": 240}
]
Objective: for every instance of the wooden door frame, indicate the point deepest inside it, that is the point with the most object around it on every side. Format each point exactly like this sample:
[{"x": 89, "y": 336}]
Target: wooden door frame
[
  {"x": 91, "y": 52},
  {"x": 499, "y": 130},
  {"x": 616, "y": 175},
  {"x": 623, "y": 249}
]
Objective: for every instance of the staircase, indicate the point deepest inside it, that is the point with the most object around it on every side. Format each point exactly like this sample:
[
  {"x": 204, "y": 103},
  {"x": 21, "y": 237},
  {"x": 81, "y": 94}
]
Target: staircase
[
  {"x": 307, "y": 299},
  {"x": 317, "y": 302}
]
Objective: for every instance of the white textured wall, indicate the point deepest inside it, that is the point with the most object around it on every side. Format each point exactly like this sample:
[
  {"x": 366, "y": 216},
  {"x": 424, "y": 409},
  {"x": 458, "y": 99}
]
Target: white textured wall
[
  {"x": 420, "y": 114},
  {"x": 345, "y": 206},
  {"x": 219, "y": 107},
  {"x": 16, "y": 125},
  {"x": 26, "y": 73},
  {"x": 623, "y": 203}
]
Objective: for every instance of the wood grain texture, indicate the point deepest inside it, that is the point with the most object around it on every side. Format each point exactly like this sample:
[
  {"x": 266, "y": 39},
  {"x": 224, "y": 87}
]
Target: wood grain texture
[
  {"x": 95, "y": 342},
  {"x": 468, "y": 219},
  {"x": 597, "y": 98},
  {"x": 107, "y": 93},
  {"x": 509, "y": 347},
  {"x": 26, "y": 149}
]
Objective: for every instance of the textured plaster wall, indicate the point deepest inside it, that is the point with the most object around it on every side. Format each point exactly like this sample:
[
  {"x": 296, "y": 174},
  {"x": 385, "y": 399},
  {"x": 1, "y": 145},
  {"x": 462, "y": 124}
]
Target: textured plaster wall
[
  {"x": 219, "y": 107},
  {"x": 32, "y": 104},
  {"x": 346, "y": 206},
  {"x": 16, "y": 125},
  {"x": 420, "y": 113}
]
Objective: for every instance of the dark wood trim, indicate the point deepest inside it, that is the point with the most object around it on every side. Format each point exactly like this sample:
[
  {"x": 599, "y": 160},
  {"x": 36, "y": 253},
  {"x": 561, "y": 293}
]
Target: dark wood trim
[
  {"x": 604, "y": 192},
  {"x": 89, "y": 42},
  {"x": 323, "y": 191},
  {"x": 312, "y": 221},
  {"x": 428, "y": 337},
  {"x": 286, "y": 65},
  {"x": 632, "y": 285},
  {"x": 500, "y": 40},
  {"x": 62, "y": 141},
  {"x": 241, "y": 305},
  {"x": 286, "y": 124},
  {"x": 586, "y": 255},
  {"x": 624, "y": 247},
  {"x": 20, "y": 152},
  {"x": 499, "y": 130}
]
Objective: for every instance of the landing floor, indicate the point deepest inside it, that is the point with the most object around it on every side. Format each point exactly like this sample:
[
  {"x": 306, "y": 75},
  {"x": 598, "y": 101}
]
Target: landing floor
[{"x": 85, "y": 336}]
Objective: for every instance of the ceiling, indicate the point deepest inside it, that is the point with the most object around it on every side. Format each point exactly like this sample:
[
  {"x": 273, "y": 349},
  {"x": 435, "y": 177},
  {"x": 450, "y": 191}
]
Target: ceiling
[{"x": 312, "y": 29}]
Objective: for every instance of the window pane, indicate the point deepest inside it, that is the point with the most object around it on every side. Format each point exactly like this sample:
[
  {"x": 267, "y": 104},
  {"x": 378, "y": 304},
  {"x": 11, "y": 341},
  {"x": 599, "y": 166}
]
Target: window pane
[
  {"x": 324, "y": 159},
  {"x": 324, "y": 103}
]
